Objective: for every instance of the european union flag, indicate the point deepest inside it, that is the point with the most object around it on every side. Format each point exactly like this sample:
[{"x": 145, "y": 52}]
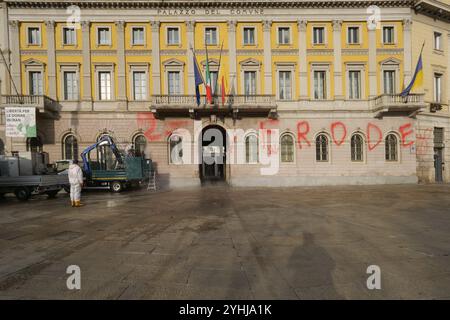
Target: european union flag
[{"x": 198, "y": 80}]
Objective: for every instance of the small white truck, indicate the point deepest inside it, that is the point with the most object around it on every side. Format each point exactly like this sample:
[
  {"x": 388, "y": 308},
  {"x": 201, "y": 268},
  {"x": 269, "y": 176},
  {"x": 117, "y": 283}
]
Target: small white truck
[{"x": 28, "y": 174}]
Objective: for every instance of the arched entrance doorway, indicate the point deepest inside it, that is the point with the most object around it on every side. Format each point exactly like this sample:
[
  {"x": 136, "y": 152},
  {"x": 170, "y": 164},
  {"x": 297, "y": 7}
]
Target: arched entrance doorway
[{"x": 213, "y": 154}]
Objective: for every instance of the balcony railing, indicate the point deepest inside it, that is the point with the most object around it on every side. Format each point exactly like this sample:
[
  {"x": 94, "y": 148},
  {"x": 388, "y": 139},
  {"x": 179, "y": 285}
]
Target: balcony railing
[
  {"x": 41, "y": 102},
  {"x": 397, "y": 101},
  {"x": 174, "y": 101}
]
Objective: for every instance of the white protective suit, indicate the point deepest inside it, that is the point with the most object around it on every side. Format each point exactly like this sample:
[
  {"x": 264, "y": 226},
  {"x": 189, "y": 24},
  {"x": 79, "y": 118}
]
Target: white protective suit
[{"x": 76, "y": 181}]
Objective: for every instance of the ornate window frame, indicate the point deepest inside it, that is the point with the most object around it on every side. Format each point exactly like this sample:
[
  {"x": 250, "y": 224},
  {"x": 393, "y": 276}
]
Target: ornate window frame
[
  {"x": 139, "y": 67},
  {"x": 132, "y": 28},
  {"x": 33, "y": 65},
  {"x": 255, "y": 30},
  {"x": 356, "y": 66},
  {"x": 166, "y": 30},
  {"x": 390, "y": 64},
  {"x": 104, "y": 67},
  {"x": 321, "y": 66},
  {"x": 250, "y": 64},
  {"x": 177, "y": 66},
  {"x": 97, "y": 38},
  {"x": 69, "y": 67}
]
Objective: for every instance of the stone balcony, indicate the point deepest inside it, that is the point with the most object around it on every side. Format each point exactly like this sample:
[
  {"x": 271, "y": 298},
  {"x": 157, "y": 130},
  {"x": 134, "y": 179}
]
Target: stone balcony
[
  {"x": 386, "y": 104},
  {"x": 234, "y": 105},
  {"x": 43, "y": 104}
]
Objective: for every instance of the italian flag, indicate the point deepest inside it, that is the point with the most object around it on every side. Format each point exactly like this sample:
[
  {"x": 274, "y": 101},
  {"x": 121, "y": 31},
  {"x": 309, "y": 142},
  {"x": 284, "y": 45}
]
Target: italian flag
[{"x": 208, "y": 82}]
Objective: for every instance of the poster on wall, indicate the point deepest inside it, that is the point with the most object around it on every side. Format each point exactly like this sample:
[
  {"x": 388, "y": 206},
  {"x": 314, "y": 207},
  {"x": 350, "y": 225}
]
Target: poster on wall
[{"x": 20, "y": 122}]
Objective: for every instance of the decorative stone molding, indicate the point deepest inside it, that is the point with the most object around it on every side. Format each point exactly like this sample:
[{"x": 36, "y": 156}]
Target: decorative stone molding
[
  {"x": 211, "y": 52},
  {"x": 250, "y": 62},
  {"x": 85, "y": 25},
  {"x": 250, "y": 52},
  {"x": 173, "y": 52},
  {"x": 389, "y": 51},
  {"x": 190, "y": 26},
  {"x": 50, "y": 25},
  {"x": 231, "y": 24},
  {"x": 120, "y": 25},
  {"x": 138, "y": 52},
  {"x": 33, "y": 52},
  {"x": 155, "y": 25},
  {"x": 14, "y": 24},
  {"x": 355, "y": 52},
  {"x": 267, "y": 25},
  {"x": 319, "y": 52},
  {"x": 407, "y": 24},
  {"x": 301, "y": 24},
  {"x": 69, "y": 52},
  {"x": 104, "y": 52},
  {"x": 337, "y": 25},
  {"x": 285, "y": 52}
]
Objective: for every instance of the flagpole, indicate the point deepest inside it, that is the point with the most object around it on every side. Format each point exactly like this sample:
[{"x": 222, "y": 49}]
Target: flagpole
[
  {"x": 218, "y": 70},
  {"x": 207, "y": 63}
]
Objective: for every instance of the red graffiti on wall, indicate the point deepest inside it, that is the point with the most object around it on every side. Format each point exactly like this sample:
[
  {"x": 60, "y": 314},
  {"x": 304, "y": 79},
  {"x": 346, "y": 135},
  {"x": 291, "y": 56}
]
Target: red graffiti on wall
[
  {"x": 405, "y": 130},
  {"x": 334, "y": 125},
  {"x": 266, "y": 139},
  {"x": 423, "y": 141},
  {"x": 148, "y": 122},
  {"x": 302, "y": 131},
  {"x": 372, "y": 144}
]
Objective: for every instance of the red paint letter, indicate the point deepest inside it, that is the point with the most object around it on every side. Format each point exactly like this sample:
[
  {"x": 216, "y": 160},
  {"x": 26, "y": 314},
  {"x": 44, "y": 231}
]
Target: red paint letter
[
  {"x": 404, "y": 132},
  {"x": 302, "y": 134},
  {"x": 147, "y": 121},
  {"x": 344, "y": 134},
  {"x": 380, "y": 136}
]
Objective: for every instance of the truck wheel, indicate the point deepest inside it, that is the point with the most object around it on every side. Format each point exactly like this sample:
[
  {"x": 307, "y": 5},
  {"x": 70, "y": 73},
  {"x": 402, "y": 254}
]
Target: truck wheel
[
  {"x": 66, "y": 189},
  {"x": 116, "y": 186},
  {"x": 52, "y": 194},
  {"x": 22, "y": 193}
]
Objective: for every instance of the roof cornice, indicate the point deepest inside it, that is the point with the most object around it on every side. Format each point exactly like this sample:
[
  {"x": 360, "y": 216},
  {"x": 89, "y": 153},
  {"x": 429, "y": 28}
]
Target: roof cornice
[
  {"x": 433, "y": 8},
  {"x": 176, "y": 4}
]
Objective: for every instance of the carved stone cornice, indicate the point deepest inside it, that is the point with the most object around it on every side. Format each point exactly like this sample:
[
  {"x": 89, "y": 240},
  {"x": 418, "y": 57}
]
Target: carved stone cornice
[
  {"x": 355, "y": 52},
  {"x": 301, "y": 24},
  {"x": 138, "y": 52},
  {"x": 69, "y": 52},
  {"x": 104, "y": 52},
  {"x": 168, "y": 4},
  {"x": 211, "y": 52},
  {"x": 33, "y": 52}
]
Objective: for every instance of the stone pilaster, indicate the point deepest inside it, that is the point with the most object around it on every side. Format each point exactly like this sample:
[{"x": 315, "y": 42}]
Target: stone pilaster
[
  {"x": 156, "y": 70},
  {"x": 302, "y": 61},
  {"x": 190, "y": 27},
  {"x": 407, "y": 51},
  {"x": 86, "y": 51},
  {"x": 337, "y": 52},
  {"x": 51, "y": 62},
  {"x": 232, "y": 54},
  {"x": 267, "y": 26},
  {"x": 373, "y": 85},
  {"x": 15, "y": 56},
  {"x": 121, "y": 68}
]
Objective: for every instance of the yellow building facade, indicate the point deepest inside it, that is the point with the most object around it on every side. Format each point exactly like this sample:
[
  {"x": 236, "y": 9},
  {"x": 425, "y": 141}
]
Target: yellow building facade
[{"x": 325, "y": 75}]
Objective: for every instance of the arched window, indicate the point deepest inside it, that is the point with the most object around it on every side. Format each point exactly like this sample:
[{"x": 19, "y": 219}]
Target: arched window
[
  {"x": 251, "y": 148},
  {"x": 105, "y": 156},
  {"x": 2, "y": 147},
  {"x": 70, "y": 147},
  {"x": 287, "y": 148},
  {"x": 391, "y": 147},
  {"x": 175, "y": 149},
  {"x": 139, "y": 145},
  {"x": 321, "y": 147},
  {"x": 34, "y": 144},
  {"x": 357, "y": 148}
]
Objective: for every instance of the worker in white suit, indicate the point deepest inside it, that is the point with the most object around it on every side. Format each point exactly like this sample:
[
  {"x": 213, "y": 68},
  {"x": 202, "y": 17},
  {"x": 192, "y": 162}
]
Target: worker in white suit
[{"x": 76, "y": 183}]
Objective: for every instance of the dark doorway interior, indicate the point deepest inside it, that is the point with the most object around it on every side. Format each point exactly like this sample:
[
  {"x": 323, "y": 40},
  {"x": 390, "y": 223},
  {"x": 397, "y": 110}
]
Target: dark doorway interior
[
  {"x": 213, "y": 154},
  {"x": 438, "y": 153}
]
